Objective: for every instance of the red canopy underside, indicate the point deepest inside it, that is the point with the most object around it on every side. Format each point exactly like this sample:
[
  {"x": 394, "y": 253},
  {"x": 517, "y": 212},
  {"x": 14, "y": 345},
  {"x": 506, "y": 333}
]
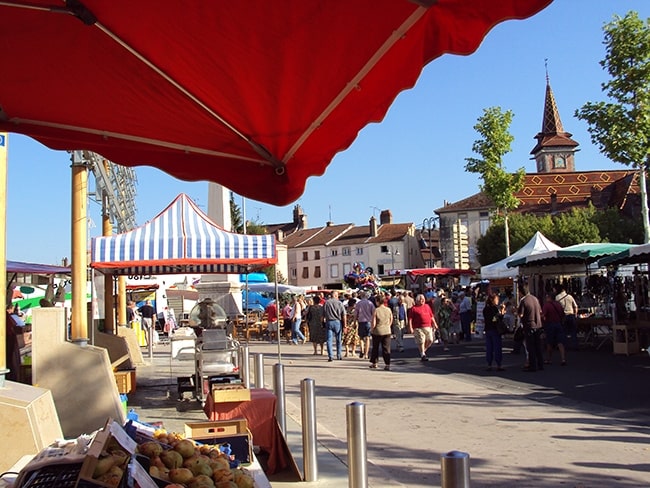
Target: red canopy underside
[{"x": 256, "y": 95}]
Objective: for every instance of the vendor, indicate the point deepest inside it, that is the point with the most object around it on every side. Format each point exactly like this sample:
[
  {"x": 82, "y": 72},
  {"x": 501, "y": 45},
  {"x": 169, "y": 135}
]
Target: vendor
[{"x": 12, "y": 348}]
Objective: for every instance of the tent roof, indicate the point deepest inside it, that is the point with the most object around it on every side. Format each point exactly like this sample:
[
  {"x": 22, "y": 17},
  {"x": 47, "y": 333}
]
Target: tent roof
[
  {"x": 33, "y": 268},
  {"x": 181, "y": 239},
  {"x": 578, "y": 253},
  {"x": 536, "y": 245},
  {"x": 633, "y": 255}
]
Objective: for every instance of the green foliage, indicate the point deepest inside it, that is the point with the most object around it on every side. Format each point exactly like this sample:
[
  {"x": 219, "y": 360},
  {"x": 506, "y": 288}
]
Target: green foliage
[
  {"x": 498, "y": 184},
  {"x": 574, "y": 227},
  {"x": 235, "y": 216},
  {"x": 614, "y": 227},
  {"x": 621, "y": 130}
]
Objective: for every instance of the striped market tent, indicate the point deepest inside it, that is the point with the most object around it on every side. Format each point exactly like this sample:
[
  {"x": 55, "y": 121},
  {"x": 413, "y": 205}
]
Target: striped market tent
[{"x": 181, "y": 239}]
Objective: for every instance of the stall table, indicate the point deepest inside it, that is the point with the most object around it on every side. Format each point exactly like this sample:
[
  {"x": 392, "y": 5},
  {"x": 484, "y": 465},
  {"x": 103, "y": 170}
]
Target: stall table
[
  {"x": 596, "y": 330},
  {"x": 260, "y": 414}
]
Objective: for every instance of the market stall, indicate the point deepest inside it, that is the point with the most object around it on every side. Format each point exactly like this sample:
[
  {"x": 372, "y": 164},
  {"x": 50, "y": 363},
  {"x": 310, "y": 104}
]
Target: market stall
[
  {"x": 576, "y": 268},
  {"x": 635, "y": 334},
  {"x": 416, "y": 277}
]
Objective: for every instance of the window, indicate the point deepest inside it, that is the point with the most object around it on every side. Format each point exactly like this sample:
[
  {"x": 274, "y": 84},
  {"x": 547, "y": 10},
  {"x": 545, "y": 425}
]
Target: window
[
  {"x": 334, "y": 270},
  {"x": 359, "y": 251},
  {"x": 345, "y": 251},
  {"x": 305, "y": 272},
  {"x": 380, "y": 269},
  {"x": 317, "y": 272},
  {"x": 334, "y": 252},
  {"x": 384, "y": 249},
  {"x": 305, "y": 256},
  {"x": 317, "y": 254},
  {"x": 294, "y": 273},
  {"x": 484, "y": 222},
  {"x": 347, "y": 267}
]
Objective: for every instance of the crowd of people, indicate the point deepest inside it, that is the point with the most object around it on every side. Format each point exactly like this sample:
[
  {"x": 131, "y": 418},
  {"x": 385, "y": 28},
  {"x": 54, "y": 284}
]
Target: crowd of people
[
  {"x": 364, "y": 324},
  {"x": 368, "y": 323}
]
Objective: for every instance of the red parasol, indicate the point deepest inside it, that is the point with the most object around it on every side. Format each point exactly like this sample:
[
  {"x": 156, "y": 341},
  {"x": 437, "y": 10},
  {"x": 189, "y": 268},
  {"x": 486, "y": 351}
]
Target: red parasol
[{"x": 256, "y": 95}]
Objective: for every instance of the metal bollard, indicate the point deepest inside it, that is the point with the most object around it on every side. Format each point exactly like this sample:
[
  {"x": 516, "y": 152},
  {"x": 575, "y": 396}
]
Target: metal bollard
[
  {"x": 308, "y": 416},
  {"x": 357, "y": 448},
  {"x": 244, "y": 366},
  {"x": 258, "y": 361},
  {"x": 278, "y": 389},
  {"x": 455, "y": 469}
]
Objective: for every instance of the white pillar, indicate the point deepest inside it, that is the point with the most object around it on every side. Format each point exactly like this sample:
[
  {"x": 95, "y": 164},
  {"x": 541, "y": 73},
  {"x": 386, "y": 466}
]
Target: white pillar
[{"x": 224, "y": 289}]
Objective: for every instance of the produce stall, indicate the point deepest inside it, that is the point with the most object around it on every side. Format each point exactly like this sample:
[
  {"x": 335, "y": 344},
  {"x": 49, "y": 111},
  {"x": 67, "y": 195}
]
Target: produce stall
[{"x": 138, "y": 455}]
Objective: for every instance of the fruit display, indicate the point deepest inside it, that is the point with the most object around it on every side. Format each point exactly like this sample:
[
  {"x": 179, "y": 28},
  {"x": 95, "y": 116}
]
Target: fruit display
[
  {"x": 111, "y": 464},
  {"x": 185, "y": 463}
]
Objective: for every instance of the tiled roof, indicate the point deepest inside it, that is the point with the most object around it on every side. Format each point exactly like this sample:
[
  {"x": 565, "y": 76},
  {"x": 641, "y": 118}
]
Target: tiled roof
[
  {"x": 318, "y": 236},
  {"x": 576, "y": 188},
  {"x": 602, "y": 188},
  {"x": 300, "y": 237},
  {"x": 477, "y": 201},
  {"x": 385, "y": 233}
]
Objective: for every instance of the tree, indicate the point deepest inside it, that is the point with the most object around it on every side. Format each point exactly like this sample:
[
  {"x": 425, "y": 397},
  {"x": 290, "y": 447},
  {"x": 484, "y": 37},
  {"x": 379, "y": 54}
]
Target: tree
[
  {"x": 498, "y": 184},
  {"x": 237, "y": 221},
  {"x": 621, "y": 129}
]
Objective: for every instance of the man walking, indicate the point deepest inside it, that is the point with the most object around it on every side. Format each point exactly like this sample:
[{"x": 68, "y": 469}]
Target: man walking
[
  {"x": 570, "y": 308},
  {"x": 363, "y": 312},
  {"x": 465, "y": 309},
  {"x": 335, "y": 320},
  {"x": 530, "y": 312},
  {"x": 147, "y": 312}
]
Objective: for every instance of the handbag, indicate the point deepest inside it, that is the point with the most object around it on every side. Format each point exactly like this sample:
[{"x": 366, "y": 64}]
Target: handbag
[{"x": 502, "y": 328}]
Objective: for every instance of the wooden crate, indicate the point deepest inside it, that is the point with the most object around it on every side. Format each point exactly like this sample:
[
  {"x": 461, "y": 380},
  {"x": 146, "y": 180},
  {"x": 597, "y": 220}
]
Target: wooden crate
[
  {"x": 125, "y": 381},
  {"x": 230, "y": 393}
]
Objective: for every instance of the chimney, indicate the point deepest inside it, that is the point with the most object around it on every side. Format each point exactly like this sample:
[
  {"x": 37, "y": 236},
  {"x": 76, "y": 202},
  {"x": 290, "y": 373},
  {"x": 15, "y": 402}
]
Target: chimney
[
  {"x": 385, "y": 217},
  {"x": 279, "y": 235},
  {"x": 373, "y": 226}
]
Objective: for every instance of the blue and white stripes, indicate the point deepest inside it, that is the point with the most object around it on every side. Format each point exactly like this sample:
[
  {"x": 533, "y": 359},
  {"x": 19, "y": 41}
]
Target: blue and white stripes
[{"x": 181, "y": 239}]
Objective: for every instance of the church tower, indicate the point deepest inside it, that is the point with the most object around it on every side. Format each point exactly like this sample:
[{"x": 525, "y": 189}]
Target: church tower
[{"x": 555, "y": 150}]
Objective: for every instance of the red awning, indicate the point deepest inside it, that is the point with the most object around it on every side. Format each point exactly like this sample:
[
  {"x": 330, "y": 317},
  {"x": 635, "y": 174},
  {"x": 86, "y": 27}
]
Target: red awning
[
  {"x": 255, "y": 95},
  {"x": 439, "y": 272}
]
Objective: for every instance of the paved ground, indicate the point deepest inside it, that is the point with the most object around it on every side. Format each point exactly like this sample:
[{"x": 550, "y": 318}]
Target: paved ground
[{"x": 583, "y": 425}]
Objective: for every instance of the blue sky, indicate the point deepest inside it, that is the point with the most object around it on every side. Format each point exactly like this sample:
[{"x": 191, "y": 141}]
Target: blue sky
[{"x": 411, "y": 162}]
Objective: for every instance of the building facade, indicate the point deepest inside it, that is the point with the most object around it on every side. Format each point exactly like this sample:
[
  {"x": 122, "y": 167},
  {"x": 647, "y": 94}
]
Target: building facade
[{"x": 555, "y": 187}]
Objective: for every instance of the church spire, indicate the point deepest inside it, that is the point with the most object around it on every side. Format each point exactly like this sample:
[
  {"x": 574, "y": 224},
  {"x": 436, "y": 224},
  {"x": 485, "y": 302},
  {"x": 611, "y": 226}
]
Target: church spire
[
  {"x": 551, "y": 123},
  {"x": 554, "y": 151}
]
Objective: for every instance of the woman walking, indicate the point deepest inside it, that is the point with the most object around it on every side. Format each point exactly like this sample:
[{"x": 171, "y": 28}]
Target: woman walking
[
  {"x": 296, "y": 319},
  {"x": 316, "y": 324},
  {"x": 380, "y": 331},
  {"x": 493, "y": 316}
]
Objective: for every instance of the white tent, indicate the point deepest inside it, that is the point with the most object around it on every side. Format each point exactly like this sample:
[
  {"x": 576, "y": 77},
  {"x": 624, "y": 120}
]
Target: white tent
[{"x": 537, "y": 244}]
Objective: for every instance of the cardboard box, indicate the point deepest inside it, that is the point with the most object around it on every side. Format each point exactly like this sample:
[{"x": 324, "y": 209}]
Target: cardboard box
[
  {"x": 125, "y": 380},
  {"x": 112, "y": 433},
  {"x": 233, "y": 432},
  {"x": 230, "y": 393}
]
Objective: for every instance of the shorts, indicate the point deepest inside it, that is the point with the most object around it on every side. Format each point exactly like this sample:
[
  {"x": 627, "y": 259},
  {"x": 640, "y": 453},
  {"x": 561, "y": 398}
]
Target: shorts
[
  {"x": 423, "y": 335},
  {"x": 554, "y": 334},
  {"x": 364, "y": 330}
]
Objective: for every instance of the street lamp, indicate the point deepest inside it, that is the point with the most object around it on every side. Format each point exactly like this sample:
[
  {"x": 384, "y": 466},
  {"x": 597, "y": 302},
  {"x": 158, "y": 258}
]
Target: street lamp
[{"x": 430, "y": 224}]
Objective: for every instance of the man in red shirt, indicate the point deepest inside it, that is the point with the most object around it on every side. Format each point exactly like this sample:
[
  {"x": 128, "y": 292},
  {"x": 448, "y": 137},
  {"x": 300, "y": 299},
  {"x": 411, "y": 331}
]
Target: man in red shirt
[
  {"x": 271, "y": 319},
  {"x": 422, "y": 324}
]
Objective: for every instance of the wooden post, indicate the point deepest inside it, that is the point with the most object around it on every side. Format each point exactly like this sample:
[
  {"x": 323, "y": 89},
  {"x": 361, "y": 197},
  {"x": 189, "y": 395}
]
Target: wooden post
[{"x": 79, "y": 251}]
